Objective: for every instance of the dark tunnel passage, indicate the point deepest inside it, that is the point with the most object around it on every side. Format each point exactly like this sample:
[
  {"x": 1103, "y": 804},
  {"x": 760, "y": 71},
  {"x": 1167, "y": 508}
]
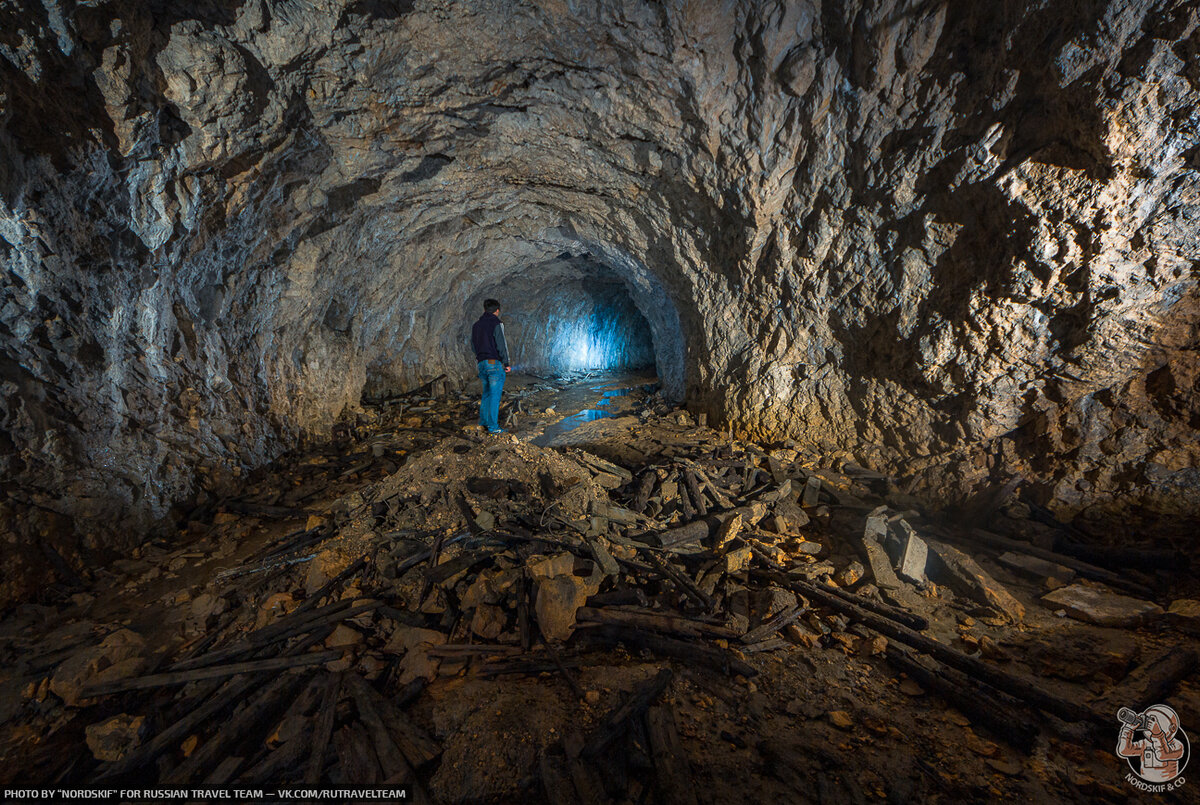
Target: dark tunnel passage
[
  {"x": 569, "y": 316},
  {"x": 594, "y": 309}
]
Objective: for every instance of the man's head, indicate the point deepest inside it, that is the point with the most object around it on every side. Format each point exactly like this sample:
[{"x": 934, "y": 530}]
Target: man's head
[
  {"x": 491, "y": 306},
  {"x": 1162, "y": 720}
]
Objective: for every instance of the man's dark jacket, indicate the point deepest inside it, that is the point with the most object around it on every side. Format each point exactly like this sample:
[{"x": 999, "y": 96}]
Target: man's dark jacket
[{"x": 487, "y": 337}]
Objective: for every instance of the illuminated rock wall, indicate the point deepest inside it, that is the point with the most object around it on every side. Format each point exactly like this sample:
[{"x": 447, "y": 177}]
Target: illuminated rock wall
[
  {"x": 560, "y": 315},
  {"x": 952, "y": 240},
  {"x": 591, "y": 326}
]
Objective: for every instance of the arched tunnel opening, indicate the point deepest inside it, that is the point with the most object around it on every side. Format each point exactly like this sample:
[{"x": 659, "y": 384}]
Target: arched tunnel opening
[
  {"x": 564, "y": 315},
  {"x": 576, "y": 314},
  {"x": 847, "y": 407},
  {"x": 585, "y": 324}
]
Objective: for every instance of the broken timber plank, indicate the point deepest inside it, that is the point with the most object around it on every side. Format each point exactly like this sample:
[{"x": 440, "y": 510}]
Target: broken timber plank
[
  {"x": 221, "y": 775},
  {"x": 693, "y": 532},
  {"x": 232, "y": 692},
  {"x": 280, "y": 630},
  {"x": 268, "y": 702},
  {"x": 391, "y": 759},
  {"x": 657, "y": 621},
  {"x": 693, "y": 487},
  {"x": 416, "y": 745},
  {"x": 279, "y": 760},
  {"x": 633, "y": 705},
  {"x": 979, "y": 536},
  {"x": 645, "y": 487},
  {"x": 604, "y": 466},
  {"x": 557, "y": 785},
  {"x": 450, "y": 569},
  {"x": 1126, "y": 558},
  {"x": 718, "y": 659},
  {"x": 685, "y": 501},
  {"x": 1154, "y": 681},
  {"x": 312, "y": 601},
  {"x": 681, "y": 580},
  {"x": 322, "y": 731},
  {"x": 775, "y": 624},
  {"x": 470, "y": 649},
  {"x": 180, "y": 677},
  {"x": 260, "y": 510},
  {"x": 603, "y": 557},
  {"x": 292, "y": 751},
  {"x": 356, "y": 756},
  {"x": 991, "y": 708},
  {"x": 587, "y": 782},
  {"x": 1009, "y": 683},
  {"x": 562, "y": 668},
  {"x": 967, "y": 578},
  {"x": 885, "y": 610},
  {"x": 672, "y": 771},
  {"x": 719, "y": 497}
]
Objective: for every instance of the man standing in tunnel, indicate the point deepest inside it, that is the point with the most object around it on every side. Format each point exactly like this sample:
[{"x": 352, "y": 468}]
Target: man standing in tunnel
[{"x": 487, "y": 338}]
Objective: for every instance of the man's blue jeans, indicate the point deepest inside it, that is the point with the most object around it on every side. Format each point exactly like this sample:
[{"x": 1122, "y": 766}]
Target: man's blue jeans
[{"x": 492, "y": 375}]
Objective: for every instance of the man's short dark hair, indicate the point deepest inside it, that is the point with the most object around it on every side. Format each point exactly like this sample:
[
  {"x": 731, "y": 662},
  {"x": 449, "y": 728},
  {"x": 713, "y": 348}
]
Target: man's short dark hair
[{"x": 490, "y": 305}]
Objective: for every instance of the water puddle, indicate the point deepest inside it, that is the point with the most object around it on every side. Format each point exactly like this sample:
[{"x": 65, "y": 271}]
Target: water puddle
[{"x": 568, "y": 424}]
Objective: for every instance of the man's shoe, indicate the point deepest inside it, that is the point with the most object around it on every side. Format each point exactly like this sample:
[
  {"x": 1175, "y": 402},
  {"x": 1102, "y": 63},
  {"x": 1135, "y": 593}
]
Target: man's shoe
[{"x": 498, "y": 430}]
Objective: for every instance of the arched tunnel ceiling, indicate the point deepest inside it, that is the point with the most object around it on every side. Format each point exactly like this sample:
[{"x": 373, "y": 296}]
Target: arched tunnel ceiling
[{"x": 956, "y": 238}]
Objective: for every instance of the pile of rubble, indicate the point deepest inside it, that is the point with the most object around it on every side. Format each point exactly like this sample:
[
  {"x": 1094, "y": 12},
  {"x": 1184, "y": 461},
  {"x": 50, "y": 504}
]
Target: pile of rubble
[{"x": 471, "y": 557}]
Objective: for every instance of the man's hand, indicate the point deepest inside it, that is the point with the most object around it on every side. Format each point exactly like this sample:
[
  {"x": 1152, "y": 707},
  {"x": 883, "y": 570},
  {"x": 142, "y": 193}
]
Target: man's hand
[{"x": 507, "y": 368}]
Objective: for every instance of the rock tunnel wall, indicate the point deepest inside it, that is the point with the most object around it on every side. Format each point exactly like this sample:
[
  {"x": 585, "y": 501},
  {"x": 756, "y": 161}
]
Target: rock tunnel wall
[
  {"x": 957, "y": 240},
  {"x": 578, "y": 326}
]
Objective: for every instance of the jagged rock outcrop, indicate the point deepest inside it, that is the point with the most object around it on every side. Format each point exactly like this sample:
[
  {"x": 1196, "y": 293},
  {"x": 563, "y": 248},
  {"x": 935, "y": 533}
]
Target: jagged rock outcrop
[{"x": 958, "y": 240}]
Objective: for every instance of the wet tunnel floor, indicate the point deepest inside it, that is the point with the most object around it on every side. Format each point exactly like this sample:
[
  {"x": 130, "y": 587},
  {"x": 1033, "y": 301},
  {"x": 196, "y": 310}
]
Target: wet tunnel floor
[
  {"x": 579, "y": 404},
  {"x": 816, "y": 710}
]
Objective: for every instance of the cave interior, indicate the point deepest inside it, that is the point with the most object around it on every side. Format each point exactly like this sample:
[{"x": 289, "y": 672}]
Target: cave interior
[{"x": 849, "y": 446}]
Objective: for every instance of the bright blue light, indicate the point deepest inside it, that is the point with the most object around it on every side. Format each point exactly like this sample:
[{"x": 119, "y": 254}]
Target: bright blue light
[{"x": 612, "y": 335}]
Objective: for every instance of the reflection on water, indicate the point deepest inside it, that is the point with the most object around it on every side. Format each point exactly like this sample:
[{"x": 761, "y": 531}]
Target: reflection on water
[
  {"x": 570, "y": 423},
  {"x": 567, "y": 424}
]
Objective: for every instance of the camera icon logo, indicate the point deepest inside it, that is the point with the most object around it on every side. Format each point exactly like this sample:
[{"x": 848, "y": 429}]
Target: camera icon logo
[{"x": 1153, "y": 743}]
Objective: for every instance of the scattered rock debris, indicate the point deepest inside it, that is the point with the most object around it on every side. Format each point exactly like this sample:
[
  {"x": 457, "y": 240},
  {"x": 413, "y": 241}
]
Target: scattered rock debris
[{"x": 643, "y": 611}]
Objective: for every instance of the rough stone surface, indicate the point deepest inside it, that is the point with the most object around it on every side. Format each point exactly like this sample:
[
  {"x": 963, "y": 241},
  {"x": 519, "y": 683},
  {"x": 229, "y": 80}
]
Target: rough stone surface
[
  {"x": 120, "y": 655},
  {"x": 111, "y": 740},
  {"x": 738, "y": 559},
  {"x": 343, "y": 637},
  {"x": 1185, "y": 614},
  {"x": 1035, "y": 567},
  {"x": 963, "y": 574},
  {"x": 870, "y": 549},
  {"x": 850, "y": 575},
  {"x": 414, "y": 644},
  {"x": 1099, "y": 605},
  {"x": 914, "y": 555},
  {"x": 488, "y": 621},
  {"x": 955, "y": 240},
  {"x": 562, "y": 564},
  {"x": 728, "y": 530},
  {"x": 558, "y": 600}
]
